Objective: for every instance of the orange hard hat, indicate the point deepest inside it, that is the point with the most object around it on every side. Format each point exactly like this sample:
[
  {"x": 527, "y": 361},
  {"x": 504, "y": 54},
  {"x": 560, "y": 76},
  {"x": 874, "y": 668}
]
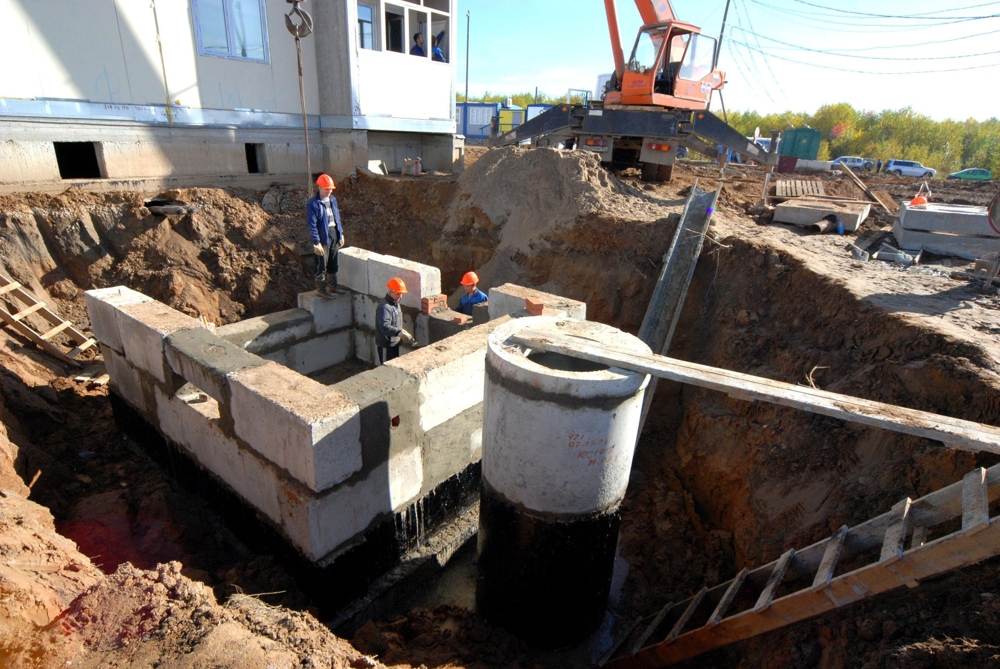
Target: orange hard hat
[
  {"x": 326, "y": 181},
  {"x": 470, "y": 279},
  {"x": 396, "y": 285},
  {"x": 918, "y": 200}
]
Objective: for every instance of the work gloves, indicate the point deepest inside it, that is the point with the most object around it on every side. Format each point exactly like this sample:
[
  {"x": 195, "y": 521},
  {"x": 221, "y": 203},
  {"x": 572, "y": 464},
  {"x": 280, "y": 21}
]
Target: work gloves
[{"x": 319, "y": 250}]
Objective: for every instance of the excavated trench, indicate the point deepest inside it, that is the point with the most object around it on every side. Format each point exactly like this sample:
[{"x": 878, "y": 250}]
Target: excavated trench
[{"x": 718, "y": 483}]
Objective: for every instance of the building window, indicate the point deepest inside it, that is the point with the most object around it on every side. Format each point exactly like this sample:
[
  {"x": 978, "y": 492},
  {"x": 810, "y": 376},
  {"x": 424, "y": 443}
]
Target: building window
[
  {"x": 394, "y": 29},
  {"x": 231, "y": 29},
  {"x": 366, "y": 26}
]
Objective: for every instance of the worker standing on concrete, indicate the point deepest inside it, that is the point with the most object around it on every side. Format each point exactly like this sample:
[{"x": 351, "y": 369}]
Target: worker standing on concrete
[
  {"x": 326, "y": 234},
  {"x": 473, "y": 295},
  {"x": 389, "y": 322}
]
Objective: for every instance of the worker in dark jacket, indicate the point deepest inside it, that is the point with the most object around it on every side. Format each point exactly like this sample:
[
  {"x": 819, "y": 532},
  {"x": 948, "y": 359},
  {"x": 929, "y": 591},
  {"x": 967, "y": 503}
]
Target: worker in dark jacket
[
  {"x": 473, "y": 295},
  {"x": 389, "y": 322},
  {"x": 326, "y": 234}
]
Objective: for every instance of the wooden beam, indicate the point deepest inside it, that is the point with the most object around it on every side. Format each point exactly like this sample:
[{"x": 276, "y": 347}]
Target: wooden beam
[
  {"x": 56, "y": 330},
  {"x": 774, "y": 581},
  {"x": 9, "y": 287},
  {"x": 975, "y": 501},
  {"x": 727, "y": 599},
  {"x": 954, "y": 432},
  {"x": 686, "y": 616},
  {"x": 861, "y": 184},
  {"x": 895, "y": 534},
  {"x": 828, "y": 565}
]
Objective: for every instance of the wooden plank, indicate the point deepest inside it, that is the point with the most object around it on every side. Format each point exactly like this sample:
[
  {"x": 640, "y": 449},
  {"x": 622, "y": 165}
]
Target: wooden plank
[
  {"x": 895, "y": 534},
  {"x": 9, "y": 287},
  {"x": 774, "y": 581},
  {"x": 861, "y": 184},
  {"x": 33, "y": 336},
  {"x": 24, "y": 313},
  {"x": 81, "y": 348},
  {"x": 56, "y": 330},
  {"x": 951, "y": 431},
  {"x": 828, "y": 565},
  {"x": 727, "y": 599},
  {"x": 919, "y": 537},
  {"x": 650, "y": 628},
  {"x": 975, "y": 501},
  {"x": 686, "y": 616}
]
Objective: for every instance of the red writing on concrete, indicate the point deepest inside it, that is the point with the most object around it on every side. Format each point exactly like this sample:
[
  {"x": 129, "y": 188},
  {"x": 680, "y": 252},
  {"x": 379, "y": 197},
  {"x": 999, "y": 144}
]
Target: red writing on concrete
[{"x": 580, "y": 441}]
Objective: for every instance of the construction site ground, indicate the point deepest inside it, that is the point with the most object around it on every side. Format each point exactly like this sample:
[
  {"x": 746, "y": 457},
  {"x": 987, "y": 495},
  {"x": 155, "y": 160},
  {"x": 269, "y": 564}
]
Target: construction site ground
[{"x": 108, "y": 562}]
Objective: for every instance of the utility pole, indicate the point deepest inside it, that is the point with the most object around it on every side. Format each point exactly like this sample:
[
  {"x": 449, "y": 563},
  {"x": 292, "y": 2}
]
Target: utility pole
[
  {"x": 299, "y": 31},
  {"x": 468, "y": 27},
  {"x": 718, "y": 51}
]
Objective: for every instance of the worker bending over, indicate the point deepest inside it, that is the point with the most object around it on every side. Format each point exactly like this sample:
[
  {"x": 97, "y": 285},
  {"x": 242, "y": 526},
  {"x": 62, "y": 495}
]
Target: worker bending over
[
  {"x": 473, "y": 295},
  {"x": 326, "y": 234},
  {"x": 389, "y": 322}
]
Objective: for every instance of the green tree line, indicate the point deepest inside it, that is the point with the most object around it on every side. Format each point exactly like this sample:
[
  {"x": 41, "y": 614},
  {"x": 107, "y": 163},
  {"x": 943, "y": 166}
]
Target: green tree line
[
  {"x": 522, "y": 99},
  {"x": 947, "y": 146}
]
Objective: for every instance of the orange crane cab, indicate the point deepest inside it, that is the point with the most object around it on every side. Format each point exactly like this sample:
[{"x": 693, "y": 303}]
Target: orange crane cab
[{"x": 672, "y": 64}]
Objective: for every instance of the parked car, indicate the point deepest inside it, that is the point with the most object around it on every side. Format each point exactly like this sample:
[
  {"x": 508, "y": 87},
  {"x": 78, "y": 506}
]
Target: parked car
[
  {"x": 908, "y": 168},
  {"x": 973, "y": 173},
  {"x": 856, "y": 163}
]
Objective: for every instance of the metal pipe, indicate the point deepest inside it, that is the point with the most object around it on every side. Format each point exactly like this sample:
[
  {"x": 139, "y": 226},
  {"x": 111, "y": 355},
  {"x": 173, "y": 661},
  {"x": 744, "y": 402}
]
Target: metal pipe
[{"x": 468, "y": 29}]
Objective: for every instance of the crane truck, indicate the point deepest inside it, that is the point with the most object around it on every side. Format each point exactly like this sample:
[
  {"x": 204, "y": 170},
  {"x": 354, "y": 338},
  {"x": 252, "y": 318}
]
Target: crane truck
[{"x": 654, "y": 104}]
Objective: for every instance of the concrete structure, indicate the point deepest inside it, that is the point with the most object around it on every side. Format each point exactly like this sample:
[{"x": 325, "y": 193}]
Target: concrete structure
[
  {"x": 349, "y": 474},
  {"x": 558, "y": 438},
  {"x": 808, "y": 213},
  {"x": 946, "y": 229},
  {"x": 130, "y": 90}
]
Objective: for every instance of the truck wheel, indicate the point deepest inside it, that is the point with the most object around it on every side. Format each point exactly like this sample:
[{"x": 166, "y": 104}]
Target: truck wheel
[
  {"x": 664, "y": 173},
  {"x": 650, "y": 172}
]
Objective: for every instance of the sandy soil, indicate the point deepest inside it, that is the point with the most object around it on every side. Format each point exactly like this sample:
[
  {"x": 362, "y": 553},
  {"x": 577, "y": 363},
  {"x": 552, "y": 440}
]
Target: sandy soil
[{"x": 718, "y": 483}]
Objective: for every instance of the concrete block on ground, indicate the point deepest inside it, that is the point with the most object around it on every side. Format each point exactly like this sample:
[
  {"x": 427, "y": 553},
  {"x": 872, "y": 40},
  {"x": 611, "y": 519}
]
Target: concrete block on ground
[
  {"x": 143, "y": 328},
  {"x": 269, "y": 332},
  {"x": 952, "y": 219},
  {"x": 421, "y": 280},
  {"x": 321, "y": 352},
  {"x": 310, "y": 430},
  {"x": 102, "y": 308},
  {"x": 808, "y": 213},
  {"x": 131, "y": 384},
  {"x": 328, "y": 313},
  {"x": 205, "y": 360},
  {"x": 509, "y": 299},
  {"x": 959, "y": 246},
  {"x": 364, "y": 310},
  {"x": 353, "y": 268}
]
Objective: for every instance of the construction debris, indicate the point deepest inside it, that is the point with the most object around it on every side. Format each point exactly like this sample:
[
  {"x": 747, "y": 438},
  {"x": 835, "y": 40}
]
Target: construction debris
[{"x": 946, "y": 229}]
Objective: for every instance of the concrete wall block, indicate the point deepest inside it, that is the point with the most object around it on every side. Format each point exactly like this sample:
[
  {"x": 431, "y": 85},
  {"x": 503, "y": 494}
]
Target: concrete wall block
[
  {"x": 451, "y": 447},
  {"x": 509, "y": 299},
  {"x": 421, "y": 280},
  {"x": 364, "y": 310},
  {"x": 353, "y": 268},
  {"x": 270, "y": 332},
  {"x": 448, "y": 390},
  {"x": 364, "y": 347},
  {"x": 131, "y": 384},
  {"x": 406, "y": 477},
  {"x": 205, "y": 359},
  {"x": 143, "y": 328},
  {"x": 303, "y": 426},
  {"x": 261, "y": 489},
  {"x": 421, "y": 329},
  {"x": 321, "y": 352},
  {"x": 102, "y": 308},
  {"x": 328, "y": 314}
]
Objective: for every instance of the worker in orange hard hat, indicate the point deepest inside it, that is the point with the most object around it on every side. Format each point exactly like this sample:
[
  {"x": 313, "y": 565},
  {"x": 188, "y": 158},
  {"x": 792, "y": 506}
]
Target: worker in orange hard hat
[
  {"x": 389, "y": 322},
  {"x": 473, "y": 295},
  {"x": 326, "y": 234}
]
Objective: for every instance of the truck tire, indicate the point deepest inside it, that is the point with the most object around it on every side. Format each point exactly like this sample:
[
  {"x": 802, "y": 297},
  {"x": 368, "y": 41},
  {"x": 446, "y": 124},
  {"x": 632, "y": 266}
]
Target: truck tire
[
  {"x": 664, "y": 173},
  {"x": 650, "y": 172}
]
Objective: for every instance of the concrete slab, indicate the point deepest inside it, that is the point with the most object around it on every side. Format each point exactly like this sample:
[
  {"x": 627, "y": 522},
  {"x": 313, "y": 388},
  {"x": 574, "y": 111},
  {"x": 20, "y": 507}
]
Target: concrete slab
[
  {"x": 102, "y": 308},
  {"x": 328, "y": 313},
  {"x": 953, "y": 219},
  {"x": 353, "y": 268},
  {"x": 364, "y": 310},
  {"x": 132, "y": 385},
  {"x": 807, "y": 213},
  {"x": 310, "y": 430},
  {"x": 960, "y": 246},
  {"x": 421, "y": 280},
  {"x": 321, "y": 351},
  {"x": 269, "y": 332},
  {"x": 509, "y": 299},
  {"x": 143, "y": 328},
  {"x": 205, "y": 359}
]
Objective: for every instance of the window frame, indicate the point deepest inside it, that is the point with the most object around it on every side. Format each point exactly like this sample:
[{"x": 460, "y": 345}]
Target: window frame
[
  {"x": 231, "y": 34},
  {"x": 375, "y": 8}
]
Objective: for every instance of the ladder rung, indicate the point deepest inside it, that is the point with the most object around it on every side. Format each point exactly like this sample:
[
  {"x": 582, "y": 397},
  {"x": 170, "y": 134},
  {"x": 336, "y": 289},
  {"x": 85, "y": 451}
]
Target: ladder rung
[
  {"x": 919, "y": 537},
  {"x": 619, "y": 640},
  {"x": 830, "y": 557},
  {"x": 56, "y": 330},
  {"x": 895, "y": 533},
  {"x": 27, "y": 312},
  {"x": 648, "y": 632},
  {"x": 10, "y": 287},
  {"x": 975, "y": 501},
  {"x": 81, "y": 348},
  {"x": 686, "y": 616},
  {"x": 727, "y": 599},
  {"x": 774, "y": 580}
]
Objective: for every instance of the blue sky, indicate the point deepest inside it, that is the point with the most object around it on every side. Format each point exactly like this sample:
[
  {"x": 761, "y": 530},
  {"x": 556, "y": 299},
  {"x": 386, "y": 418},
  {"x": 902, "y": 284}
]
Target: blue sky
[{"x": 555, "y": 45}]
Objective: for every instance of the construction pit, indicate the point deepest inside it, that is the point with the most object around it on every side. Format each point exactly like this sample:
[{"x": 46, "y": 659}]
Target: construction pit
[{"x": 120, "y": 549}]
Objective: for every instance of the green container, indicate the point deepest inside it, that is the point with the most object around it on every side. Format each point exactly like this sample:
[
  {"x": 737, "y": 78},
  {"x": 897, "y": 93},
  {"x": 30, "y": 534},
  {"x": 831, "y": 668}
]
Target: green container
[{"x": 800, "y": 142}]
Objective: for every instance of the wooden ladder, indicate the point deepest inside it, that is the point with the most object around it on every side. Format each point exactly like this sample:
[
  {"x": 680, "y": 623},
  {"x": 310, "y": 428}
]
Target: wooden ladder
[
  {"x": 13, "y": 290},
  {"x": 811, "y": 581}
]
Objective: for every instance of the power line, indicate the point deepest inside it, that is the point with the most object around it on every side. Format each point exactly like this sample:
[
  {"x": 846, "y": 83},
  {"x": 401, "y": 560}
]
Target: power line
[
  {"x": 858, "y": 24},
  {"x": 908, "y": 17},
  {"x": 842, "y": 69},
  {"x": 900, "y": 46},
  {"x": 864, "y": 56},
  {"x": 763, "y": 55}
]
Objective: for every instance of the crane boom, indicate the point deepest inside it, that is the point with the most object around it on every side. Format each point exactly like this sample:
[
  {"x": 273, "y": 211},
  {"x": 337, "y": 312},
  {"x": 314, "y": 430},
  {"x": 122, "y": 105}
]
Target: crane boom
[
  {"x": 616, "y": 40},
  {"x": 655, "y": 11}
]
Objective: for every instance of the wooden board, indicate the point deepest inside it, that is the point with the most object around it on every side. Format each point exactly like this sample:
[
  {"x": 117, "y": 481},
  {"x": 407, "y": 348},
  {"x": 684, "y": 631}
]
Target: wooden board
[{"x": 797, "y": 187}]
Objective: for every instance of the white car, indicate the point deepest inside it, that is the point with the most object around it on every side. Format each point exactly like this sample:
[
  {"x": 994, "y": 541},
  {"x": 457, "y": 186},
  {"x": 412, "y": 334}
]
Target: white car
[
  {"x": 908, "y": 168},
  {"x": 855, "y": 163}
]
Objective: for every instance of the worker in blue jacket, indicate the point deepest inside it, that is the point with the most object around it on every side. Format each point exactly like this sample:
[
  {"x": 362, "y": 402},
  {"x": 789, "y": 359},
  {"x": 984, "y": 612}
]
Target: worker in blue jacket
[
  {"x": 473, "y": 295},
  {"x": 326, "y": 234}
]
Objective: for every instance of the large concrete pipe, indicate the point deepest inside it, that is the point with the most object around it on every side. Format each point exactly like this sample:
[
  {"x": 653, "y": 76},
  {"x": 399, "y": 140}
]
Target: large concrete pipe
[{"x": 558, "y": 439}]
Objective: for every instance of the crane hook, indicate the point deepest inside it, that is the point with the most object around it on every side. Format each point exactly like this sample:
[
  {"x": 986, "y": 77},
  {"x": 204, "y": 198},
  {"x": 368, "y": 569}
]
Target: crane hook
[{"x": 302, "y": 29}]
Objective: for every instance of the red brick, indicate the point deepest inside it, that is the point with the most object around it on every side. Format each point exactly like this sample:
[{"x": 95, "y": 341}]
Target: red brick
[{"x": 534, "y": 307}]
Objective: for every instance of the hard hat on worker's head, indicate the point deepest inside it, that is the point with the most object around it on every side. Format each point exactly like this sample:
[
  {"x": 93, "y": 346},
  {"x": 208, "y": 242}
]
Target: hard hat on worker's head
[
  {"x": 396, "y": 285},
  {"x": 470, "y": 279},
  {"x": 326, "y": 181}
]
